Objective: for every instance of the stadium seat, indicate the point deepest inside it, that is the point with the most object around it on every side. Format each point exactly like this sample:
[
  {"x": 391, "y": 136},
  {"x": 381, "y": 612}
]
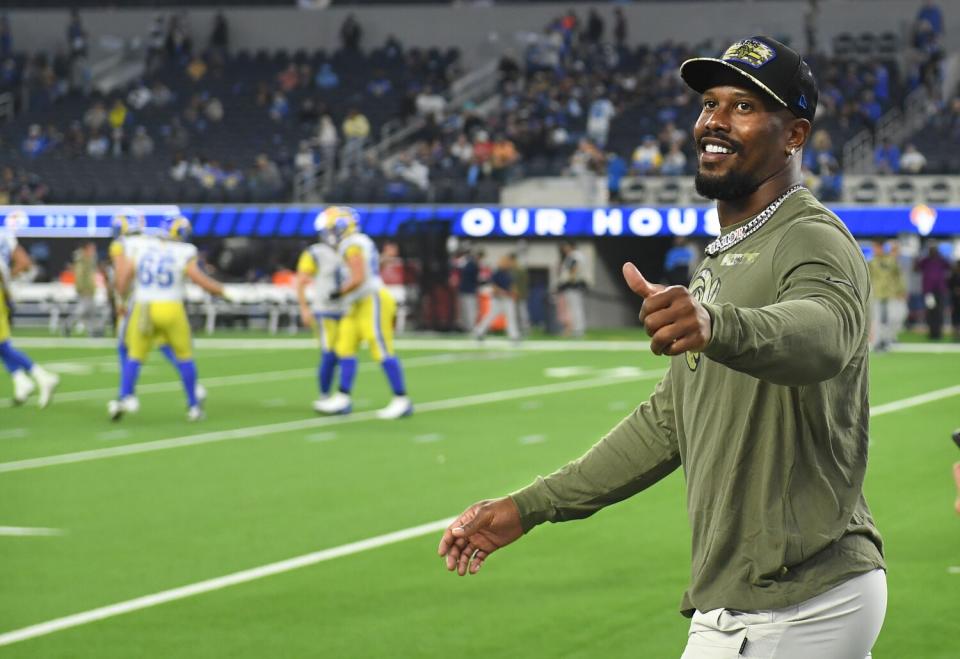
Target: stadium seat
[
  {"x": 867, "y": 192},
  {"x": 669, "y": 192},
  {"x": 938, "y": 192},
  {"x": 903, "y": 192}
]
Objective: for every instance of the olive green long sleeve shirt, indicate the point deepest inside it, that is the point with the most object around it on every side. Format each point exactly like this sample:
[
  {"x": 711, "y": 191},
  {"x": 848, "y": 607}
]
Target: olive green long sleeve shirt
[{"x": 770, "y": 423}]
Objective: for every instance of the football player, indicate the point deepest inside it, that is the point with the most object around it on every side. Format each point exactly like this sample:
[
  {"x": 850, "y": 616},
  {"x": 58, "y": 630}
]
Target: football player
[
  {"x": 321, "y": 264},
  {"x": 125, "y": 225},
  {"x": 160, "y": 267},
  {"x": 27, "y": 376},
  {"x": 369, "y": 313}
]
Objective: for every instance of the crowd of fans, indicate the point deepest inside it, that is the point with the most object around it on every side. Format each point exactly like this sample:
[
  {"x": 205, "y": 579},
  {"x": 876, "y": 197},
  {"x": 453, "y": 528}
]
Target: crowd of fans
[{"x": 577, "y": 99}]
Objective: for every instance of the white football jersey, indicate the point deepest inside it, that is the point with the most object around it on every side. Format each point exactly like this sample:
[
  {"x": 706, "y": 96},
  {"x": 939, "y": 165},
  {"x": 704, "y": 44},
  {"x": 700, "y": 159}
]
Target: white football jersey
[
  {"x": 371, "y": 265},
  {"x": 328, "y": 278},
  {"x": 8, "y": 243},
  {"x": 160, "y": 266}
]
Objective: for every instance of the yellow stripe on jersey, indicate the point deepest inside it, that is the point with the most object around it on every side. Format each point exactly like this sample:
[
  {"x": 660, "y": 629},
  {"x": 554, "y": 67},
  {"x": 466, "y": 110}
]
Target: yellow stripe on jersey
[
  {"x": 307, "y": 264},
  {"x": 4, "y": 319},
  {"x": 354, "y": 250},
  {"x": 116, "y": 249}
]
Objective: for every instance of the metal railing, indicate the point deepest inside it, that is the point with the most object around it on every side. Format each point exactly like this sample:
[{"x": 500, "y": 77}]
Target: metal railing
[{"x": 896, "y": 125}]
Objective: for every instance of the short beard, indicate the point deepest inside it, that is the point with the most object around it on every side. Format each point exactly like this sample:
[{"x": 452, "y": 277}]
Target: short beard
[{"x": 733, "y": 185}]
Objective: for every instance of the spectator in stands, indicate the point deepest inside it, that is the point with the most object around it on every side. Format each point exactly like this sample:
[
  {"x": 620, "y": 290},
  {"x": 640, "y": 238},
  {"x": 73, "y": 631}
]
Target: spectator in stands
[
  {"x": 141, "y": 145},
  {"x": 197, "y": 68},
  {"x": 95, "y": 118},
  {"x": 220, "y": 35},
  {"x": 178, "y": 43},
  {"x": 117, "y": 118},
  {"x": 356, "y": 130},
  {"x": 266, "y": 180},
  {"x": 870, "y": 108},
  {"x": 912, "y": 161},
  {"x": 75, "y": 142},
  {"x": 160, "y": 94},
  {"x": 616, "y": 170},
  {"x": 430, "y": 104},
  {"x": 594, "y": 32},
  {"x": 503, "y": 157},
  {"x": 98, "y": 144},
  {"x": 326, "y": 77},
  {"x": 180, "y": 168},
  {"x": 379, "y": 85},
  {"x": 619, "y": 27},
  {"x": 327, "y": 140},
  {"x": 279, "y": 107},
  {"x": 932, "y": 15},
  {"x": 599, "y": 116},
  {"x": 819, "y": 159},
  {"x": 351, "y": 34},
  {"x": 646, "y": 157},
  {"x": 35, "y": 143},
  {"x": 675, "y": 162},
  {"x": 289, "y": 78},
  {"x": 886, "y": 158},
  {"x": 934, "y": 270},
  {"x": 76, "y": 36}
]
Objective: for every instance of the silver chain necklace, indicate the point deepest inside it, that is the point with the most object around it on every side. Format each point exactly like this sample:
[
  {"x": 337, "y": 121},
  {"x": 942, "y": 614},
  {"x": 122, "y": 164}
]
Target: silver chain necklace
[{"x": 723, "y": 243}]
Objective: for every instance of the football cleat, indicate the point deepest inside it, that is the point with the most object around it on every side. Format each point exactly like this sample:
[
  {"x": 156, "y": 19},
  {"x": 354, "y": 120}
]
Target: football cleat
[
  {"x": 47, "y": 382},
  {"x": 23, "y": 386},
  {"x": 117, "y": 408},
  {"x": 338, "y": 403},
  {"x": 399, "y": 407},
  {"x": 195, "y": 413}
]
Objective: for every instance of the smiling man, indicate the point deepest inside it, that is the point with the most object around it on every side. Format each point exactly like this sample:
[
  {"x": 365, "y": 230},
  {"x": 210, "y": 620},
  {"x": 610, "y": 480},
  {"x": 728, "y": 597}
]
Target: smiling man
[{"x": 764, "y": 404}]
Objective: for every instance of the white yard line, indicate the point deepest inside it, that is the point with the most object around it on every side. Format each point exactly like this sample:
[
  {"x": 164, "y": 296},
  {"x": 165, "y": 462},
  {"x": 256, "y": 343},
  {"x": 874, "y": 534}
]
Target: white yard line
[
  {"x": 913, "y": 401},
  {"x": 25, "y": 531},
  {"x": 424, "y": 342},
  {"x": 244, "y": 576},
  {"x": 218, "y": 583},
  {"x": 304, "y": 424},
  {"x": 107, "y": 393}
]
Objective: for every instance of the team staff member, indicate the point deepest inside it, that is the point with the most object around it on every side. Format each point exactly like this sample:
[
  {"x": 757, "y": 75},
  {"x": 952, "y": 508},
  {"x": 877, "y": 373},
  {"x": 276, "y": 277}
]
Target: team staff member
[
  {"x": 27, "y": 376},
  {"x": 369, "y": 315},
  {"x": 160, "y": 266},
  {"x": 765, "y": 401},
  {"x": 321, "y": 264}
]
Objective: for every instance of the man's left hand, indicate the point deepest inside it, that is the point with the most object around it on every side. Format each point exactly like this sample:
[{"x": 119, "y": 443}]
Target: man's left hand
[{"x": 675, "y": 321}]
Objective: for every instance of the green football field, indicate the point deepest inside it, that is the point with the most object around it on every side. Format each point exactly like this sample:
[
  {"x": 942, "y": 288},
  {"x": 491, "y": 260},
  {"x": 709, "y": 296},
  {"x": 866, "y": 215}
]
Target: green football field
[{"x": 266, "y": 531}]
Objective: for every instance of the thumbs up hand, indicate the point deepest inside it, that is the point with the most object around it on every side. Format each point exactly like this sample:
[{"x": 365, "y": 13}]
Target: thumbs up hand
[{"x": 674, "y": 320}]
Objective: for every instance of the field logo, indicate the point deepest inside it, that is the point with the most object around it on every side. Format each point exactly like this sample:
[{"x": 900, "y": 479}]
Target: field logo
[
  {"x": 704, "y": 288},
  {"x": 750, "y": 51}
]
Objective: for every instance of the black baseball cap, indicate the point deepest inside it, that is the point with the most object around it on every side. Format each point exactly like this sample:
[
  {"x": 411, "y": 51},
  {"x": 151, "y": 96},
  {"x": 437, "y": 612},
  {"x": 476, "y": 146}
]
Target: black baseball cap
[{"x": 776, "y": 69}]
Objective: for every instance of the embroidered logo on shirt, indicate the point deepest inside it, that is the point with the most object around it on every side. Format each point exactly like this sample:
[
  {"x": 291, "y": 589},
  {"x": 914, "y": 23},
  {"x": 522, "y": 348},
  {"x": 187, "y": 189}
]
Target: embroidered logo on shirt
[
  {"x": 703, "y": 288},
  {"x": 737, "y": 259}
]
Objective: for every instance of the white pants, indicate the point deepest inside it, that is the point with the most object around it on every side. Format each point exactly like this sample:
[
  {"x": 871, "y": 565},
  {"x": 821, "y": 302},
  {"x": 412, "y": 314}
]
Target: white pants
[
  {"x": 468, "y": 310},
  {"x": 500, "y": 305},
  {"x": 575, "y": 312},
  {"x": 842, "y": 623},
  {"x": 888, "y": 318}
]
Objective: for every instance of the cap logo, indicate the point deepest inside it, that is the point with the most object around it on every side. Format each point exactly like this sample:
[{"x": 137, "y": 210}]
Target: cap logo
[
  {"x": 802, "y": 102},
  {"x": 750, "y": 51}
]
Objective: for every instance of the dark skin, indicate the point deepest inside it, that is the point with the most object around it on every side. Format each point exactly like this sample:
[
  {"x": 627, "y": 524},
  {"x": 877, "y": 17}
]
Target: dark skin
[{"x": 766, "y": 141}]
